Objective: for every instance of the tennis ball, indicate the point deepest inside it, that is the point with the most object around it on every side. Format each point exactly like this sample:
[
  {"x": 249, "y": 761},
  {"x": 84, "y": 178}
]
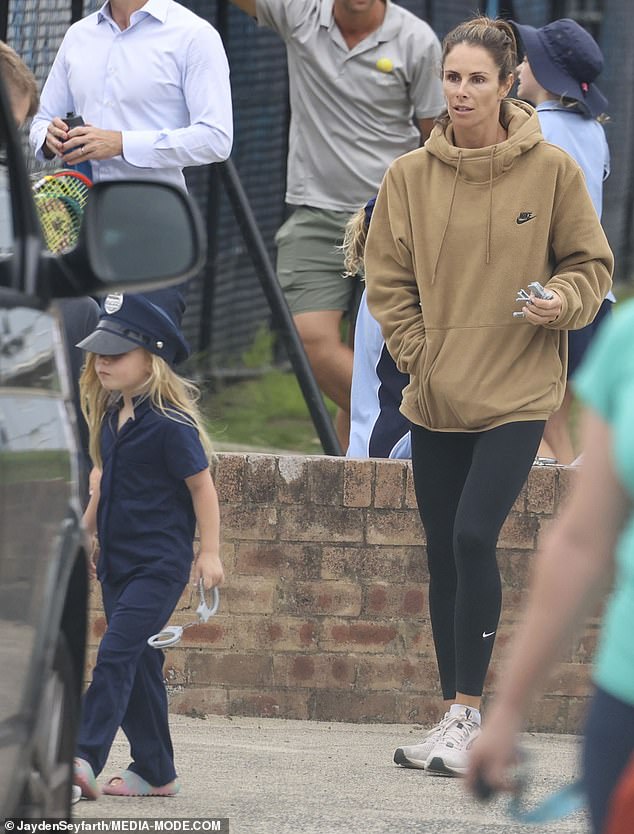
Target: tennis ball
[{"x": 384, "y": 65}]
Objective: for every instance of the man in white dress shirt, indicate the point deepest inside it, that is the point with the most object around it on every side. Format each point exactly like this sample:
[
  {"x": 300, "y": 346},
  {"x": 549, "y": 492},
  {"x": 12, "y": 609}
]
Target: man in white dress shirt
[{"x": 151, "y": 81}]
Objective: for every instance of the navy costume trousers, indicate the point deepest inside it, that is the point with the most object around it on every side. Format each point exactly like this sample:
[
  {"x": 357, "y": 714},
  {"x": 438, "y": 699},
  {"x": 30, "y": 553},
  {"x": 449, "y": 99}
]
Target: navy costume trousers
[{"x": 127, "y": 688}]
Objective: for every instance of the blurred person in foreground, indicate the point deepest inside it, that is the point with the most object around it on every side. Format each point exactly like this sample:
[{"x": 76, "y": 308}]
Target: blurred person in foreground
[
  {"x": 485, "y": 208},
  {"x": 588, "y": 548}
]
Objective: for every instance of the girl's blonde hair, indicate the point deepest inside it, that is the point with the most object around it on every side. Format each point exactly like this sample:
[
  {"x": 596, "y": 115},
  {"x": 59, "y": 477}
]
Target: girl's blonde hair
[
  {"x": 170, "y": 394},
  {"x": 353, "y": 246}
]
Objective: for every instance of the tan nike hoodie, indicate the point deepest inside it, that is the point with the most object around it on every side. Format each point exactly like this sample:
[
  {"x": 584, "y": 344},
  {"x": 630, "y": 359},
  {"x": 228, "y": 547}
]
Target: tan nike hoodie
[{"x": 455, "y": 234}]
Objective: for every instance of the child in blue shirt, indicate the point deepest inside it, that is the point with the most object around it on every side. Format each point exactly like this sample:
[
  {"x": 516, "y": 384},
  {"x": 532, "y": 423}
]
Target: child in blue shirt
[
  {"x": 377, "y": 427},
  {"x": 149, "y": 445},
  {"x": 557, "y": 76}
]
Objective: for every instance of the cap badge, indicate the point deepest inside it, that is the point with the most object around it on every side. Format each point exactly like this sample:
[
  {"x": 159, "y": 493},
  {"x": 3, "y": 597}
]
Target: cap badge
[
  {"x": 113, "y": 302},
  {"x": 160, "y": 344}
]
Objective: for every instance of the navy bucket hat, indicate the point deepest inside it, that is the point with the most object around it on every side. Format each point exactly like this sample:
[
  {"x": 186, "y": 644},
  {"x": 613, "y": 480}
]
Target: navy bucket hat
[
  {"x": 151, "y": 321},
  {"x": 565, "y": 59}
]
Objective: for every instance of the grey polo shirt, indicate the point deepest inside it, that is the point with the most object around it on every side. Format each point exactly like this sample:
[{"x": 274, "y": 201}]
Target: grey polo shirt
[{"x": 352, "y": 110}]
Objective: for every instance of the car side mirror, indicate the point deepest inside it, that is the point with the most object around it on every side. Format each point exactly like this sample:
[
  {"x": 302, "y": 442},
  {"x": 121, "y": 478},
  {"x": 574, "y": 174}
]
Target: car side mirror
[{"x": 135, "y": 234}]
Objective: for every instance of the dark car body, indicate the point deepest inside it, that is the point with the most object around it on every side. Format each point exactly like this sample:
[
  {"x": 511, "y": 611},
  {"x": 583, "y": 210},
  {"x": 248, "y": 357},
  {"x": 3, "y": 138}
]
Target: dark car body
[{"x": 43, "y": 573}]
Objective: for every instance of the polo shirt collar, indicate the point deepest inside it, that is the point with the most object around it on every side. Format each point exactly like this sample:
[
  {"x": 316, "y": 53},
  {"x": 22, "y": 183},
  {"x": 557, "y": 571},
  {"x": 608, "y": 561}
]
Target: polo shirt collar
[
  {"x": 387, "y": 30},
  {"x": 141, "y": 403},
  {"x": 552, "y": 104},
  {"x": 154, "y": 8}
]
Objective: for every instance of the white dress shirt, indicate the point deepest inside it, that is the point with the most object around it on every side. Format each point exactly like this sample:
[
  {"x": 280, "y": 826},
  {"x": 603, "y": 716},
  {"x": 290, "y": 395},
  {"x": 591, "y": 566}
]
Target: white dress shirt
[{"x": 163, "y": 82}]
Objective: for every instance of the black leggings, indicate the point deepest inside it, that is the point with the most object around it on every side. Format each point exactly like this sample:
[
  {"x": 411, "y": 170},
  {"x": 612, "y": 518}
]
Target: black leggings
[{"x": 466, "y": 484}]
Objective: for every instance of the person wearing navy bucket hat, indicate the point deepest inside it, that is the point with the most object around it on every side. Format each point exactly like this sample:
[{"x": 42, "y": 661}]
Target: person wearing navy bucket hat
[
  {"x": 151, "y": 487},
  {"x": 561, "y": 64}
]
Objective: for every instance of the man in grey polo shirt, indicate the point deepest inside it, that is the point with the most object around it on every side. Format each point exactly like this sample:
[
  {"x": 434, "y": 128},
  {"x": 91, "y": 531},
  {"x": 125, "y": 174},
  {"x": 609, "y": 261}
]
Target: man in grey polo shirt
[{"x": 364, "y": 79}]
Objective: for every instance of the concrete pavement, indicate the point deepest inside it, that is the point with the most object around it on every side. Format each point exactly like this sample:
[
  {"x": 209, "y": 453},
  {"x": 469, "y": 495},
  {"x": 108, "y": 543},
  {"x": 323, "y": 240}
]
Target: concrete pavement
[{"x": 273, "y": 776}]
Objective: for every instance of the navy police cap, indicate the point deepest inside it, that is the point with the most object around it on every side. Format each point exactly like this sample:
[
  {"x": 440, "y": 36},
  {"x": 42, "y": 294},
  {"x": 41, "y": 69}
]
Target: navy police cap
[{"x": 151, "y": 321}]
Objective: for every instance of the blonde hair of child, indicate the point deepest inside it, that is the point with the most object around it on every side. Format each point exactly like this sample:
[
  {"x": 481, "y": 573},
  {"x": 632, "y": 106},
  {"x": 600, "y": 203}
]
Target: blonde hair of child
[
  {"x": 353, "y": 246},
  {"x": 170, "y": 394}
]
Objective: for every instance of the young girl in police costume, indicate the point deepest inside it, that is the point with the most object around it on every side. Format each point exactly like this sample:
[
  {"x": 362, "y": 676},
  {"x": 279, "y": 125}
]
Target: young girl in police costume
[{"x": 148, "y": 442}]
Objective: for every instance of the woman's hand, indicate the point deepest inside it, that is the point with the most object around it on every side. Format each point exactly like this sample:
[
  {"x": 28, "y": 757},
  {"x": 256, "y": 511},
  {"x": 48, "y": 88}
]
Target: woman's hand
[{"x": 542, "y": 310}]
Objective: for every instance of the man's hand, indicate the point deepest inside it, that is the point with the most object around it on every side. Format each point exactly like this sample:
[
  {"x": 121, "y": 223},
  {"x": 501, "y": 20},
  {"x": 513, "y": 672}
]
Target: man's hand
[
  {"x": 88, "y": 142},
  {"x": 81, "y": 143}
]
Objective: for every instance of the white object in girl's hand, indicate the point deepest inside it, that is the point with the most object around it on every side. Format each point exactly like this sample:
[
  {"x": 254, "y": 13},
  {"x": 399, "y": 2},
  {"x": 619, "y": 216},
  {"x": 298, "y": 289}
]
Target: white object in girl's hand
[{"x": 172, "y": 634}]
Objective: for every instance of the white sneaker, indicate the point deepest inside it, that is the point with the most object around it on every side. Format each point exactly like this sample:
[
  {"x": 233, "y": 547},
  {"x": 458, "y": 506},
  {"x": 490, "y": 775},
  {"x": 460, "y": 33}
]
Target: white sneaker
[
  {"x": 450, "y": 755},
  {"x": 415, "y": 755}
]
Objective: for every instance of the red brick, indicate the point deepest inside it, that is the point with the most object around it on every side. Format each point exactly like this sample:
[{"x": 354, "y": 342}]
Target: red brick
[
  {"x": 321, "y": 597},
  {"x": 416, "y": 638},
  {"x": 98, "y": 628},
  {"x": 251, "y": 523},
  {"x": 410, "y": 491},
  {"x": 229, "y": 669},
  {"x": 570, "y": 679},
  {"x": 577, "y": 714},
  {"x": 270, "y": 703},
  {"x": 515, "y": 568},
  {"x": 321, "y": 524},
  {"x": 518, "y": 532},
  {"x": 325, "y": 477},
  {"x": 376, "y": 672},
  {"x": 229, "y": 477},
  {"x": 198, "y": 702},
  {"x": 541, "y": 490},
  {"x": 548, "y": 715},
  {"x": 358, "y": 635},
  {"x": 366, "y": 707},
  {"x": 425, "y": 710},
  {"x": 389, "y": 600},
  {"x": 260, "y": 485},
  {"x": 415, "y": 559},
  {"x": 358, "y": 480},
  {"x": 394, "y": 527},
  {"x": 389, "y": 488},
  {"x": 363, "y": 563},
  {"x": 278, "y": 559},
  {"x": 249, "y": 595},
  {"x": 293, "y": 479},
  {"x": 315, "y": 671}
]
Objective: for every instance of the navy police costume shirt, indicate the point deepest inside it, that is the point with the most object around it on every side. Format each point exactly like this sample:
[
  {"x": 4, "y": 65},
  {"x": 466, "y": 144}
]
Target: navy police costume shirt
[{"x": 145, "y": 520}]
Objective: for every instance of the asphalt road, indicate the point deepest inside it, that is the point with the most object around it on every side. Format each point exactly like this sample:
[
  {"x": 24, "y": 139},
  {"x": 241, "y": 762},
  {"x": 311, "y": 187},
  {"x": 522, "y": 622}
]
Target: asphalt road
[{"x": 270, "y": 776}]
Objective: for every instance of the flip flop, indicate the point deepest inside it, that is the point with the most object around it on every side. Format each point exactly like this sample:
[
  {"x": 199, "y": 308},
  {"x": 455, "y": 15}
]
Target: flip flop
[
  {"x": 129, "y": 783},
  {"x": 84, "y": 778}
]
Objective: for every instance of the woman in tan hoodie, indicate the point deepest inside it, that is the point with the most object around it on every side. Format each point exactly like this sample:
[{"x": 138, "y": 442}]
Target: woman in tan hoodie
[{"x": 485, "y": 208}]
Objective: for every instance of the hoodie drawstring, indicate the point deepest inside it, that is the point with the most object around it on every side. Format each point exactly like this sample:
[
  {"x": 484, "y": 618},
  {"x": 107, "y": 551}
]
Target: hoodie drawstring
[
  {"x": 453, "y": 194},
  {"x": 490, "y": 203}
]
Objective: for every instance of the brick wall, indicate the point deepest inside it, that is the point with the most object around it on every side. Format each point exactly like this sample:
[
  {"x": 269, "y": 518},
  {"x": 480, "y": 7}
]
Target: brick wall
[{"x": 324, "y": 611}]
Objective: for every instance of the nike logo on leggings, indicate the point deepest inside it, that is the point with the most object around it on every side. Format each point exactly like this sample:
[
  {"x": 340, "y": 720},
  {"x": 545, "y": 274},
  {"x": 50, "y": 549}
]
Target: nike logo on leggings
[{"x": 486, "y": 634}]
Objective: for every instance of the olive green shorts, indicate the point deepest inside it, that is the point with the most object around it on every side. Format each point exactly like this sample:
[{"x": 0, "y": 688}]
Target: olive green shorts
[{"x": 310, "y": 260}]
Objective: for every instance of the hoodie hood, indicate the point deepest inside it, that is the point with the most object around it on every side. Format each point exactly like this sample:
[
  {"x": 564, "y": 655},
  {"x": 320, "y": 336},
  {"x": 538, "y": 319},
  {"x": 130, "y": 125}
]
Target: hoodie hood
[
  {"x": 485, "y": 165},
  {"x": 479, "y": 165}
]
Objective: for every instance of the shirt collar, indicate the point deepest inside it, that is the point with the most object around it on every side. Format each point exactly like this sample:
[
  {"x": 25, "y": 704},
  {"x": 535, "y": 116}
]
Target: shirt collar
[
  {"x": 556, "y": 105},
  {"x": 155, "y": 8}
]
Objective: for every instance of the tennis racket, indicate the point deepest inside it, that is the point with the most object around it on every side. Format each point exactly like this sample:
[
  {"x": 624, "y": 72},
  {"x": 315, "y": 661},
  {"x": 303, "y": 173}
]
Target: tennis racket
[{"x": 60, "y": 199}]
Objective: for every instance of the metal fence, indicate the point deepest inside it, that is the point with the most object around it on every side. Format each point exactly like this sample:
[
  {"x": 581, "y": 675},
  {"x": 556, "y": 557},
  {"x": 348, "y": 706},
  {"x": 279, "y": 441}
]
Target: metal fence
[{"x": 226, "y": 305}]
